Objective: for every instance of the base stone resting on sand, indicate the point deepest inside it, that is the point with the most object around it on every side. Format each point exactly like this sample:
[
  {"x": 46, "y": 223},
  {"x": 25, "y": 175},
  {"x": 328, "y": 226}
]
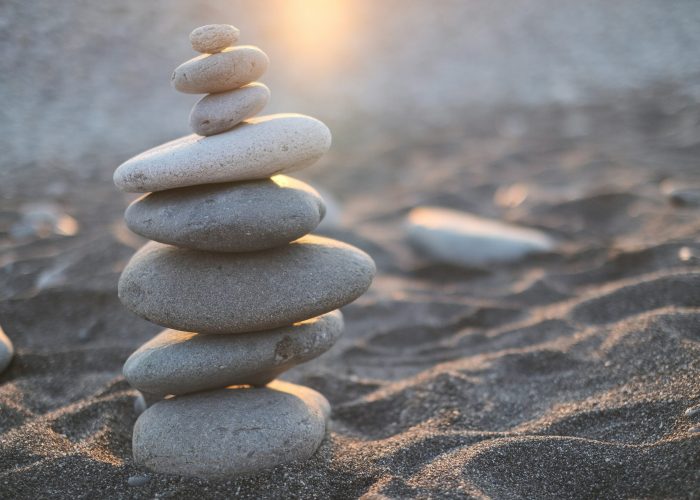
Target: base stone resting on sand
[{"x": 245, "y": 292}]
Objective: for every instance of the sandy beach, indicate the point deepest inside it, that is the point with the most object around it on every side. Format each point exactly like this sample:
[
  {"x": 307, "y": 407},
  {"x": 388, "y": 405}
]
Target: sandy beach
[{"x": 568, "y": 374}]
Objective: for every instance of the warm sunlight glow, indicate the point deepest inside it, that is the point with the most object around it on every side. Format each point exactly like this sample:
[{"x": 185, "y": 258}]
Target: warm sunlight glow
[{"x": 315, "y": 29}]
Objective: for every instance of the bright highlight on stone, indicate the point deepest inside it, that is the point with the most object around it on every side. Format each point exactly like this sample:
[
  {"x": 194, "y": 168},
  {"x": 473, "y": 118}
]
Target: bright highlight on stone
[{"x": 246, "y": 292}]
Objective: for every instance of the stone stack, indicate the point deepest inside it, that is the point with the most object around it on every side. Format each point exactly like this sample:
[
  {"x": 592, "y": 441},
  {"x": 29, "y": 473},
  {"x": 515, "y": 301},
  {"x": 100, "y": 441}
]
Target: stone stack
[{"x": 232, "y": 260}]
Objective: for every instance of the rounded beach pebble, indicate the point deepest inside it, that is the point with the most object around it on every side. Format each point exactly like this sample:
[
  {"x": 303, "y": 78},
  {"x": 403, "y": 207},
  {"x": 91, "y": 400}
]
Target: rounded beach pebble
[
  {"x": 210, "y": 292},
  {"x": 464, "y": 239},
  {"x": 256, "y": 149},
  {"x": 229, "y": 217},
  {"x": 231, "y": 432},
  {"x": 177, "y": 362},
  {"x": 7, "y": 351},
  {"x": 226, "y": 70},
  {"x": 213, "y": 38},
  {"x": 216, "y": 113}
]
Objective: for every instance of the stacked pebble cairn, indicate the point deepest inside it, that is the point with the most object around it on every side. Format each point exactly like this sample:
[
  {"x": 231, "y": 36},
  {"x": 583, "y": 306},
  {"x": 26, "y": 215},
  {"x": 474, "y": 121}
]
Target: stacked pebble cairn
[{"x": 232, "y": 260}]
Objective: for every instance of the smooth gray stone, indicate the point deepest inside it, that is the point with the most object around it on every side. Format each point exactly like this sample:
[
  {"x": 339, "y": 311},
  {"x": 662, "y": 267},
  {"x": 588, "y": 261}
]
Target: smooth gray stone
[
  {"x": 463, "y": 239},
  {"x": 229, "y": 69},
  {"x": 229, "y": 217},
  {"x": 208, "y": 292},
  {"x": 256, "y": 149},
  {"x": 216, "y": 113},
  {"x": 7, "y": 351},
  {"x": 230, "y": 432},
  {"x": 177, "y": 362}
]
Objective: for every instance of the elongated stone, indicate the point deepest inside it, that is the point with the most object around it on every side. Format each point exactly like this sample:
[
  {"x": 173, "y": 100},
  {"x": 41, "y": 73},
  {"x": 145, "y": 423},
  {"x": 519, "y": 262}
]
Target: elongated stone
[
  {"x": 229, "y": 217},
  {"x": 177, "y": 362},
  {"x": 463, "y": 239},
  {"x": 256, "y": 149},
  {"x": 216, "y": 113},
  {"x": 209, "y": 292},
  {"x": 229, "y": 69}
]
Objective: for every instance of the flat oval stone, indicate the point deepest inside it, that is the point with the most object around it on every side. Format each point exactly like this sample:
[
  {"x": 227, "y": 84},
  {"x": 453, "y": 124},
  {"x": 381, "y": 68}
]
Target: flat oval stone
[
  {"x": 230, "y": 432},
  {"x": 177, "y": 362},
  {"x": 229, "y": 69},
  {"x": 256, "y": 149},
  {"x": 463, "y": 239},
  {"x": 229, "y": 217},
  {"x": 216, "y": 113},
  {"x": 7, "y": 351},
  {"x": 213, "y": 38},
  {"x": 210, "y": 292}
]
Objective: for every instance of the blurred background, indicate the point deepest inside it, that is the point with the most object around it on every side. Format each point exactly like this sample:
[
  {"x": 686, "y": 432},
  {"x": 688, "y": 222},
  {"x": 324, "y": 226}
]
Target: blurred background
[{"x": 86, "y": 84}]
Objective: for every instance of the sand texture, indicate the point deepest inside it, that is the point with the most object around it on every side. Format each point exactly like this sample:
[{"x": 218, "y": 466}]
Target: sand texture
[{"x": 568, "y": 374}]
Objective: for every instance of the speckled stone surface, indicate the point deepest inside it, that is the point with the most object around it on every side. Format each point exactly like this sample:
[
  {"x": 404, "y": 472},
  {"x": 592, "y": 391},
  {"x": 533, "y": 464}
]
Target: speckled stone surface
[
  {"x": 216, "y": 113},
  {"x": 213, "y": 38},
  {"x": 210, "y": 292},
  {"x": 230, "y": 432},
  {"x": 229, "y": 69},
  {"x": 256, "y": 149},
  {"x": 177, "y": 362},
  {"x": 228, "y": 217},
  {"x": 7, "y": 350}
]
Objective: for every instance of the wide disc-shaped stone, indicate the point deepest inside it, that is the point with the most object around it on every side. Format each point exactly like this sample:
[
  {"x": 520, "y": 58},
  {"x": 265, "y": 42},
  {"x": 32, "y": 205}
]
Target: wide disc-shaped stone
[
  {"x": 210, "y": 292},
  {"x": 177, "y": 362},
  {"x": 256, "y": 149},
  {"x": 229, "y": 69},
  {"x": 230, "y": 217},
  {"x": 229, "y": 432}
]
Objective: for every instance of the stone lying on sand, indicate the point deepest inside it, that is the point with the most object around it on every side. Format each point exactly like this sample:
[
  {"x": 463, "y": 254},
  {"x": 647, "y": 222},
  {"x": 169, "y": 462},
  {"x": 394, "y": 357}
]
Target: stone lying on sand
[
  {"x": 229, "y": 69},
  {"x": 229, "y": 217},
  {"x": 216, "y": 113},
  {"x": 210, "y": 292},
  {"x": 463, "y": 239},
  {"x": 7, "y": 351},
  {"x": 256, "y": 149},
  {"x": 213, "y": 38},
  {"x": 230, "y": 432},
  {"x": 177, "y": 362},
  {"x": 682, "y": 194}
]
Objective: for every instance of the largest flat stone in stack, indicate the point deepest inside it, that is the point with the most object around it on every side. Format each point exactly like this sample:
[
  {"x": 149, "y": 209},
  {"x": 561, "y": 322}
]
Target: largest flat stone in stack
[{"x": 209, "y": 292}]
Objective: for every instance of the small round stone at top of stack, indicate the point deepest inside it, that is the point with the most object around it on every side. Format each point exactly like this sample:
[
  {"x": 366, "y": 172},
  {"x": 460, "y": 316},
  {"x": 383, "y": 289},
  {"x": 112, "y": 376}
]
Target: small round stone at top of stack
[{"x": 213, "y": 38}]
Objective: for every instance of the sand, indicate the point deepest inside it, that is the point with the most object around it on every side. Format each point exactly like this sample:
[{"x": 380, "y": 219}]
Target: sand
[{"x": 563, "y": 375}]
